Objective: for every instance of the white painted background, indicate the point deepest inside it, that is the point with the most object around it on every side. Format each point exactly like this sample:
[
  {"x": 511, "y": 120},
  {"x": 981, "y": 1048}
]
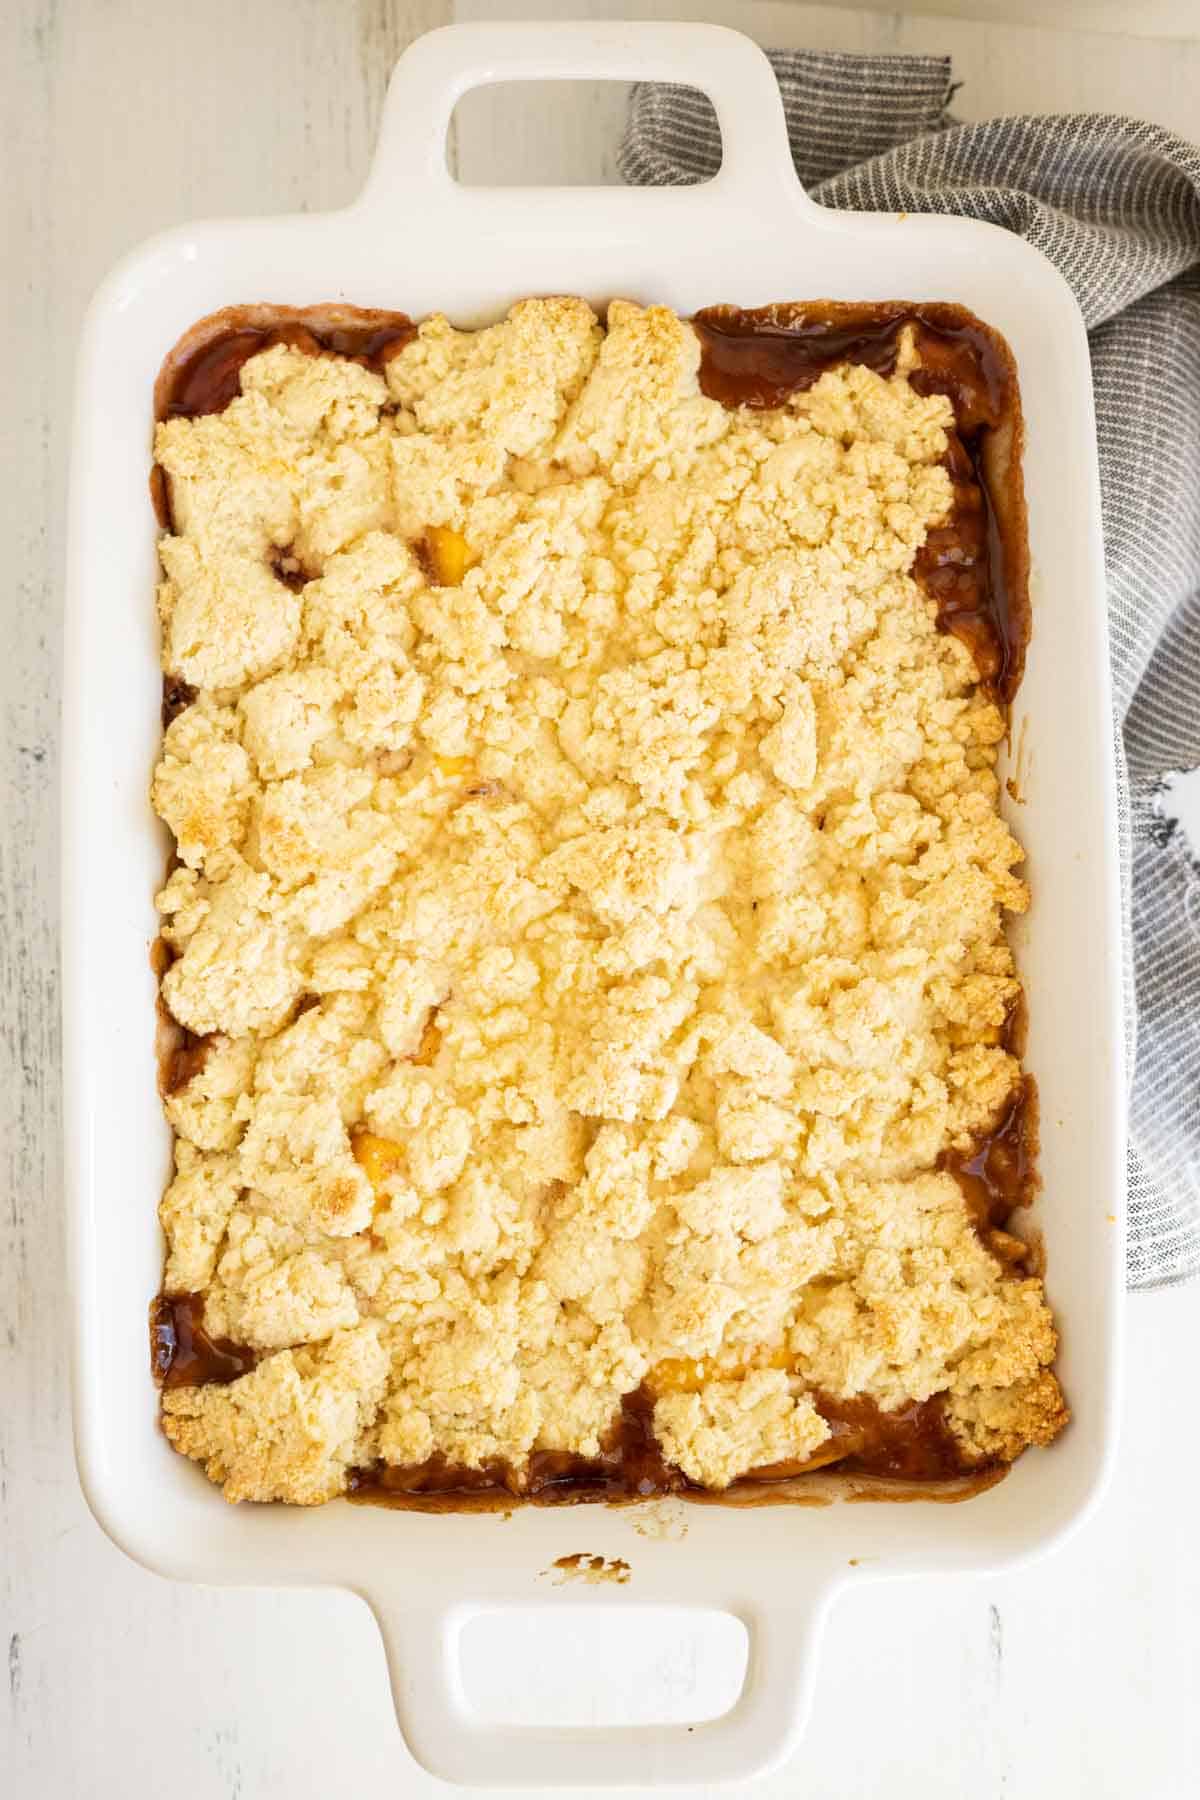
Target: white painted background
[{"x": 1077, "y": 1678}]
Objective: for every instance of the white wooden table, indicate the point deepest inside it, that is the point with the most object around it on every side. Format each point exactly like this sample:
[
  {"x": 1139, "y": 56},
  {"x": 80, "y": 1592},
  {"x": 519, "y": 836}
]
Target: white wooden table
[{"x": 1078, "y": 1677}]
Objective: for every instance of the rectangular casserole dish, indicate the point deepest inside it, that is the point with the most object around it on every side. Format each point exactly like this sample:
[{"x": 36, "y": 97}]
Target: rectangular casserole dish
[{"x": 417, "y": 240}]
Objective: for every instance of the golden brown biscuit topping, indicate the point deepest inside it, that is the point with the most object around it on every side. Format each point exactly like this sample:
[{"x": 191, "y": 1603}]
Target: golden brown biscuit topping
[{"x": 590, "y": 899}]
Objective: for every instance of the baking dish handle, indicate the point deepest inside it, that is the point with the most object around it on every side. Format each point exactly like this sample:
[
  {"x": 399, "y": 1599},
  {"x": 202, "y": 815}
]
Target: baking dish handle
[
  {"x": 454, "y": 1742},
  {"x": 438, "y": 69}
]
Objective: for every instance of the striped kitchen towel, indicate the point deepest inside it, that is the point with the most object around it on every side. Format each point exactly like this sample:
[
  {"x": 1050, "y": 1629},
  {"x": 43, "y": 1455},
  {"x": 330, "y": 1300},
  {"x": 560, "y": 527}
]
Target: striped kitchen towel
[{"x": 1115, "y": 205}]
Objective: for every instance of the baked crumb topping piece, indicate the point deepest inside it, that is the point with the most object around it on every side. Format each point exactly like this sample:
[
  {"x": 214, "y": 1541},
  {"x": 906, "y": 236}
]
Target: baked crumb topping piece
[{"x": 589, "y": 903}]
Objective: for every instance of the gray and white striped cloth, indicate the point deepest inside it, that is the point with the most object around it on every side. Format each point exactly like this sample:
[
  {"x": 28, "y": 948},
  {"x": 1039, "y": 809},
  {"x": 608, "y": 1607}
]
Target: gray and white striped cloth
[{"x": 1115, "y": 205}]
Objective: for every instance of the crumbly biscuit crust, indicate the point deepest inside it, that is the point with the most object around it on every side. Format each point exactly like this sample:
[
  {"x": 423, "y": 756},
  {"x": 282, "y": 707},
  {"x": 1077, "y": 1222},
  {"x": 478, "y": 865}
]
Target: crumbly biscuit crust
[{"x": 591, "y": 887}]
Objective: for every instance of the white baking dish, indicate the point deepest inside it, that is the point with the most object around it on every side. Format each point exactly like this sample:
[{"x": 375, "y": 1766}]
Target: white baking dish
[{"x": 417, "y": 240}]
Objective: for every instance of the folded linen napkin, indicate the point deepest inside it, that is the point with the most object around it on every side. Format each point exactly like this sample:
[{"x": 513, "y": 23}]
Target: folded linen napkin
[{"x": 1115, "y": 205}]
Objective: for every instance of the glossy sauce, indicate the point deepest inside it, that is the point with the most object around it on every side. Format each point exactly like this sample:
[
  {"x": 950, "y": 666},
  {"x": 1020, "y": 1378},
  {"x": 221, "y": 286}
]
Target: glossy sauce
[
  {"x": 207, "y": 377},
  {"x": 286, "y": 568},
  {"x": 203, "y": 373},
  {"x": 177, "y": 696},
  {"x": 975, "y": 567},
  {"x": 179, "y": 1052},
  {"x": 182, "y": 1353},
  {"x": 183, "y": 1060},
  {"x": 911, "y": 1444},
  {"x": 630, "y": 1467},
  {"x": 998, "y": 1173}
]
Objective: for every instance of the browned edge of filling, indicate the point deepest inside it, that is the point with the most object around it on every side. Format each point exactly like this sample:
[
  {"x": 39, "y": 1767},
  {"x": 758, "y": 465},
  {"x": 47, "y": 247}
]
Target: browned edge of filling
[
  {"x": 183, "y": 1354},
  {"x": 975, "y": 568},
  {"x": 179, "y": 1052},
  {"x": 203, "y": 372},
  {"x": 910, "y": 1444}
]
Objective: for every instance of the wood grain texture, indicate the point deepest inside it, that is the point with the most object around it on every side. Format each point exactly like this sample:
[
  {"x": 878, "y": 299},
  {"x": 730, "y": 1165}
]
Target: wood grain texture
[
  {"x": 1124, "y": 18},
  {"x": 507, "y": 135},
  {"x": 1076, "y": 1678}
]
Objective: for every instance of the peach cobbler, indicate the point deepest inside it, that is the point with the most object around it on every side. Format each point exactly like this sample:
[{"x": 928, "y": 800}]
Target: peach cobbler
[{"x": 590, "y": 1036}]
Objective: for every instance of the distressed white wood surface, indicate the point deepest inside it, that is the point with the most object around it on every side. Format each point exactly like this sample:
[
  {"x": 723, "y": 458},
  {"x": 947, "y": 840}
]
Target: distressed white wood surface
[
  {"x": 1014, "y": 68},
  {"x": 1075, "y": 1678}
]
